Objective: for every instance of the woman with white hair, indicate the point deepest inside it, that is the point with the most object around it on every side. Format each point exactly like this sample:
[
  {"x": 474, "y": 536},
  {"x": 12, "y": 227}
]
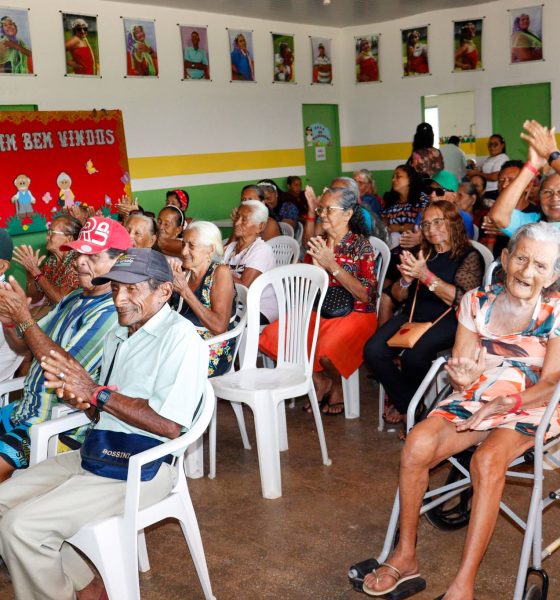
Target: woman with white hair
[
  {"x": 248, "y": 255},
  {"x": 504, "y": 369},
  {"x": 203, "y": 290},
  {"x": 81, "y": 58}
]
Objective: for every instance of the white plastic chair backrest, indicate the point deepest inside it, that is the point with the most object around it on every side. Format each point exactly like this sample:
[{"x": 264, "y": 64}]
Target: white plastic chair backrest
[
  {"x": 382, "y": 259},
  {"x": 286, "y": 229},
  {"x": 298, "y": 235},
  {"x": 285, "y": 249},
  {"x": 490, "y": 271},
  {"x": 296, "y": 288},
  {"x": 135, "y": 462},
  {"x": 11, "y": 385},
  {"x": 486, "y": 254},
  {"x": 476, "y": 233}
]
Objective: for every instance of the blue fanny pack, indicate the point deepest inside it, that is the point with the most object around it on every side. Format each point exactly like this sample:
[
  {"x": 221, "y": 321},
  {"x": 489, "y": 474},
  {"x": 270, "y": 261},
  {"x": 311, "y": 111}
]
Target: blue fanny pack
[{"x": 106, "y": 453}]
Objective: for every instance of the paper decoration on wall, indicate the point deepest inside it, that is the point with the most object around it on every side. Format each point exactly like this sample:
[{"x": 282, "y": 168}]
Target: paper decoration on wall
[
  {"x": 141, "y": 48},
  {"x": 54, "y": 160},
  {"x": 526, "y": 34},
  {"x": 194, "y": 43},
  {"x": 241, "y": 55},
  {"x": 81, "y": 44},
  {"x": 15, "y": 42},
  {"x": 322, "y": 66},
  {"x": 318, "y": 134},
  {"x": 415, "y": 51},
  {"x": 284, "y": 58},
  {"x": 367, "y": 58},
  {"x": 467, "y": 37}
]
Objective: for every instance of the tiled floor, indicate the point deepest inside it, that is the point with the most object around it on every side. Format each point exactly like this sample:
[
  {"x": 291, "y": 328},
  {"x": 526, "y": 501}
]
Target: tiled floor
[{"x": 300, "y": 546}]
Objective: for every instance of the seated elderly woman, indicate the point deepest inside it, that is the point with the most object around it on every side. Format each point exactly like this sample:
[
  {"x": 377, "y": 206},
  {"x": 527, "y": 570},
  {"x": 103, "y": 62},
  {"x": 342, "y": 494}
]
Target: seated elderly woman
[
  {"x": 504, "y": 368},
  {"x": 170, "y": 224},
  {"x": 142, "y": 230},
  {"x": 203, "y": 290},
  {"x": 345, "y": 253},
  {"x": 49, "y": 281},
  {"x": 248, "y": 255},
  {"x": 430, "y": 288}
]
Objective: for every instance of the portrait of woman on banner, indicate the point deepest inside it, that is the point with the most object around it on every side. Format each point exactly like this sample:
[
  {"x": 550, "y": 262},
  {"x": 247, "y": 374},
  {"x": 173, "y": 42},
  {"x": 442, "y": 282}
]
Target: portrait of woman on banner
[
  {"x": 194, "y": 42},
  {"x": 367, "y": 58},
  {"x": 526, "y": 34},
  {"x": 284, "y": 58},
  {"x": 468, "y": 45},
  {"x": 141, "y": 50},
  {"x": 241, "y": 55},
  {"x": 81, "y": 44},
  {"x": 15, "y": 42},
  {"x": 415, "y": 51},
  {"x": 322, "y": 66}
]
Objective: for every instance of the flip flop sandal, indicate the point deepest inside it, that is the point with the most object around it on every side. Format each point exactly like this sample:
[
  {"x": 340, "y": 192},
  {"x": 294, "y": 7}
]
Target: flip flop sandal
[
  {"x": 330, "y": 413},
  {"x": 394, "y": 573}
]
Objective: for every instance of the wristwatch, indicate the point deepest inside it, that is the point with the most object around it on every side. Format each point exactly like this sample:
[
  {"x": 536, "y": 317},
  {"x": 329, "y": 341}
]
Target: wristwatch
[
  {"x": 22, "y": 327},
  {"x": 553, "y": 156},
  {"x": 433, "y": 285},
  {"x": 101, "y": 396}
]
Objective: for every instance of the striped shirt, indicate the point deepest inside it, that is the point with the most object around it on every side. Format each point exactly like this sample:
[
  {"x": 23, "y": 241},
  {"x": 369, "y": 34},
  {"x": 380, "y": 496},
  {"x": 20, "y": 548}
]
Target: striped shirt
[{"x": 78, "y": 324}]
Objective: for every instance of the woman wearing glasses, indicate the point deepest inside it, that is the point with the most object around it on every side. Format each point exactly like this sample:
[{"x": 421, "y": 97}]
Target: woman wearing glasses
[
  {"x": 434, "y": 280},
  {"x": 50, "y": 279},
  {"x": 542, "y": 149},
  {"x": 80, "y": 55},
  {"x": 491, "y": 166},
  {"x": 345, "y": 253}
]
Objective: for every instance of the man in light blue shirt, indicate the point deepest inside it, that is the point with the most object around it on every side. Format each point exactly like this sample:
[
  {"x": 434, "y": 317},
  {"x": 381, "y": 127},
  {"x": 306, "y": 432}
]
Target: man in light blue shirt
[{"x": 196, "y": 61}]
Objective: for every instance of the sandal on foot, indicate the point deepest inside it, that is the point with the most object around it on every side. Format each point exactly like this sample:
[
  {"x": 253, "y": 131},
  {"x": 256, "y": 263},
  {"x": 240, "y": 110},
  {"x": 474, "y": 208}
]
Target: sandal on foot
[
  {"x": 392, "y": 416},
  {"x": 327, "y": 409},
  {"x": 394, "y": 573}
]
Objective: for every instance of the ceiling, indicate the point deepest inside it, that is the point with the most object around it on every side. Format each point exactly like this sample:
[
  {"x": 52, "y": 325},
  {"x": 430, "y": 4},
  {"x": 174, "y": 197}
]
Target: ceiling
[{"x": 340, "y": 13}]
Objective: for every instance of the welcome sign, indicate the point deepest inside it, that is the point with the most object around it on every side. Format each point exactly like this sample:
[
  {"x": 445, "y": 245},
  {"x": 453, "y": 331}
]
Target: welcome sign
[{"x": 51, "y": 161}]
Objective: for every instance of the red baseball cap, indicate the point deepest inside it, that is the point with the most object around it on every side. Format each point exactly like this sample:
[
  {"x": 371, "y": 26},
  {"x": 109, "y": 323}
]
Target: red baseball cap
[{"x": 100, "y": 234}]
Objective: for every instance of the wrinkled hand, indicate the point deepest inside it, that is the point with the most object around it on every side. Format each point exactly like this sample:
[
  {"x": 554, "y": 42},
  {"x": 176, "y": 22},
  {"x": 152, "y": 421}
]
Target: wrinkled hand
[
  {"x": 29, "y": 260},
  {"x": 541, "y": 138},
  {"x": 496, "y": 406},
  {"x": 70, "y": 380},
  {"x": 180, "y": 284},
  {"x": 412, "y": 267},
  {"x": 312, "y": 199},
  {"x": 489, "y": 227},
  {"x": 534, "y": 158},
  {"x": 463, "y": 370},
  {"x": 13, "y": 302},
  {"x": 410, "y": 239},
  {"x": 322, "y": 253}
]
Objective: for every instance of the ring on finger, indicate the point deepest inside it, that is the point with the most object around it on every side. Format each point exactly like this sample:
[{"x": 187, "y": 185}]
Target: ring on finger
[{"x": 61, "y": 375}]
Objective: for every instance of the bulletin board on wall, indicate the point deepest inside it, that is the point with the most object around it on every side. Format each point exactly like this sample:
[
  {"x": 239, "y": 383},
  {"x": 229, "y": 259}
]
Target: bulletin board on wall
[{"x": 53, "y": 160}]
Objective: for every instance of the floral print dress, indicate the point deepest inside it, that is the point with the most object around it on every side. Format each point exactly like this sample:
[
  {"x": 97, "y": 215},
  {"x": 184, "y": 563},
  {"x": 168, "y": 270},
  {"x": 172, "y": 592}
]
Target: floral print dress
[{"x": 514, "y": 363}]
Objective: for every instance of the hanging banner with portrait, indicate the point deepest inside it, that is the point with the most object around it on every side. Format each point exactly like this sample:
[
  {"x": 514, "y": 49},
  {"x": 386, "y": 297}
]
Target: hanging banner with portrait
[
  {"x": 415, "y": 51},
  {"x": 367, "y": 58},
  {"x": 55, "y": 160},
  {"x": 81, "y": 44},
  {"x": 321, "y": 54},
  {"x": 284, "y": 58},
  {"x": 141, "y": 48},
  {"x": 526, "y": 40},
  {"x": 194, "y": 44},
  {"x": 241, "y": 55},
  {"x": 467, "y": 36},
  {"x": 16, "y": 57}
]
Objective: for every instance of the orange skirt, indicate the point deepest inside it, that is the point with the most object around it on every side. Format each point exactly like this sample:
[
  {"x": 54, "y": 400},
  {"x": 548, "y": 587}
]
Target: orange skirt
[{"x": 342, "y": 340}]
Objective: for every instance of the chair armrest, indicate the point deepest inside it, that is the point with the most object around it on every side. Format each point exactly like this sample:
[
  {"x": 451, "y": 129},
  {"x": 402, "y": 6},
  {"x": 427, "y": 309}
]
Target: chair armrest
[
  {"x": 11, "y": 385},
  {"x": 545, "y": 421},
  {"x": 41, "y": 433},
  {"x": 422, "y": 388}
]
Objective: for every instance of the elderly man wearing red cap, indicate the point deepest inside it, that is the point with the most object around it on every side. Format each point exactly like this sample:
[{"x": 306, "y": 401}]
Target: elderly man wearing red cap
[{"x": 76, "y": 327}]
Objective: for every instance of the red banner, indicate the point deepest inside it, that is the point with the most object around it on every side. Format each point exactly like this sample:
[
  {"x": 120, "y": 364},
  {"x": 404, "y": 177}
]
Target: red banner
[{"x": 50, "y": 161}]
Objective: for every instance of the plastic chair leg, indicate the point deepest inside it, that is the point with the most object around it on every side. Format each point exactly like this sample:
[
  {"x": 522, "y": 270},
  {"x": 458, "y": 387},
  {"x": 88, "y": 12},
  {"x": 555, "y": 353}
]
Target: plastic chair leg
[
  {"x": 351, "y": 394},
  {"x": 194, "y": 459},
  {"x": 319, "y": 424},
  {"x": 143, "y": 560},
  {"x": 282, "y": 427},
  {"x": 266, "y": 429},
  {"x": 381, "y": 409},
  {"x": 238, "y": 410},
  {"x": 212, "y": 443}
]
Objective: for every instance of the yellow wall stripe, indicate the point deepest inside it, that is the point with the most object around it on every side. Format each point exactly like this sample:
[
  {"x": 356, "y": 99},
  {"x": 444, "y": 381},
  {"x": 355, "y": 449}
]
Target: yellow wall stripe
[{"x": 193, "y": 164}]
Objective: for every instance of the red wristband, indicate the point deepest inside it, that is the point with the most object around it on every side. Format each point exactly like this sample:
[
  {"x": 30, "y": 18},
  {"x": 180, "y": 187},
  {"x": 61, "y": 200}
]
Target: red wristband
[
  {"x": 429, "y": 278},
  {"x": 531, "y": 168},
  {"x": 517, "y": 405},
  {"x": 6, "y": 326},
  {"x": 308, "y": 218}
]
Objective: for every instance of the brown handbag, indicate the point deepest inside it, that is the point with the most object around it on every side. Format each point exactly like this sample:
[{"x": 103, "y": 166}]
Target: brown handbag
[{"x": 409, "y": 332}]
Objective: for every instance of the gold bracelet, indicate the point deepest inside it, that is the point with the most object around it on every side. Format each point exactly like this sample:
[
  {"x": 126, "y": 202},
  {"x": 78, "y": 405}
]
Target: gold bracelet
[
  {"x": 335, "y": 273},
  {"x": 22, "y": 327}
]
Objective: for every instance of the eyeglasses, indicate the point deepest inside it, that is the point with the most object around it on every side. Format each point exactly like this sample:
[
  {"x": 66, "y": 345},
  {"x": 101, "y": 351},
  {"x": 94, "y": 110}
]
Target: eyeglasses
[
  {"x": 548, "y": 194},
  {"x": 328, "y": 209},
  {"x": 437, "y": 191},
  {"x": 437, "y": 223},
  {"x": 53, "y": 231}
]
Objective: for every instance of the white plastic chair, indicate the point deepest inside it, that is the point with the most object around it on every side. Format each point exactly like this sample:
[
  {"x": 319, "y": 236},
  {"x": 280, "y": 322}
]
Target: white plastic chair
[
  {"x": 298, "y": 235},
  {"x": 488, "y": 274},
  {"x": 234, "y": 334},
  {"x": 11, "y": 385},
  {"x": 286, "y": 229},
  {"x": 117, "y": 545},
  {"x": 351, "y": 385},
  {"x": 265, "y": 389},
  {"x": 476, "y": 233},
  {"x": 486, "y": 254},
  {"x": 285, "y": 248}
]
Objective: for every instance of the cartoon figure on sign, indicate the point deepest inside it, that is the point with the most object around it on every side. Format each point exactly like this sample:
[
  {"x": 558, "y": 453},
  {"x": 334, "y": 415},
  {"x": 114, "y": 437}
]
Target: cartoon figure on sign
[
  {"x": 23, "y": 198},
  {"x": 309, "y": 136},
  {"x": 65, "y": 194},
  {"x": 90, "y": 168}
]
